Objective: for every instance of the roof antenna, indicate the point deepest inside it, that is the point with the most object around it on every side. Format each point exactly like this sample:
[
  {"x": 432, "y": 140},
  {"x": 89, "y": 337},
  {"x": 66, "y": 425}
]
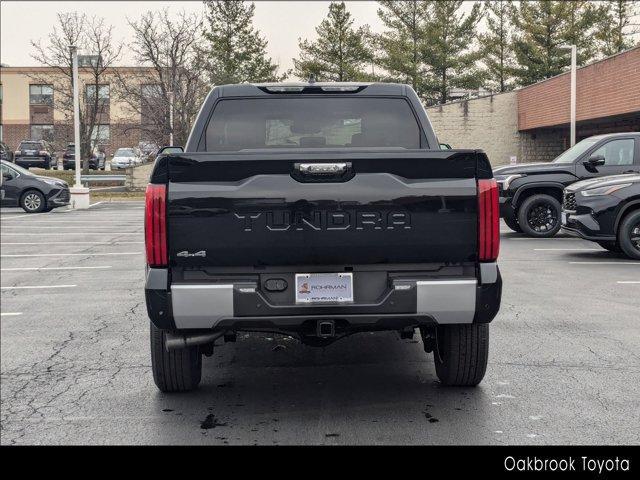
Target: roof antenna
[{"x": 312, "y": 78}]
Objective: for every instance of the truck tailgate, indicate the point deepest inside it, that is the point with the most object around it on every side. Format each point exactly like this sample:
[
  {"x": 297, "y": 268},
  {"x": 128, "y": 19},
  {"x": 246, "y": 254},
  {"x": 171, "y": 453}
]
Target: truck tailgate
[{"x": 253, "y": 209}]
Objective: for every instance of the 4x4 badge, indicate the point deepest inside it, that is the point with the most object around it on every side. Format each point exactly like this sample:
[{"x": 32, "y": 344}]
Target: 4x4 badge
[{"x": 185, "y": 253}]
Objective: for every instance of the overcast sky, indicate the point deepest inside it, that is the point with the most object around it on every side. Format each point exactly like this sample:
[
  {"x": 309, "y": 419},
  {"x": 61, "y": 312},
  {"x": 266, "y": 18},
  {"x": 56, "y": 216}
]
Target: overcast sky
[{"x": 280, "y": 22}]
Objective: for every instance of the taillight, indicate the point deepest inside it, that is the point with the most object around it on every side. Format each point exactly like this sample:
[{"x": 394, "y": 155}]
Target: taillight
[
  {"x": 489, "y": 221},
  {"x": 155, "y": 225}
]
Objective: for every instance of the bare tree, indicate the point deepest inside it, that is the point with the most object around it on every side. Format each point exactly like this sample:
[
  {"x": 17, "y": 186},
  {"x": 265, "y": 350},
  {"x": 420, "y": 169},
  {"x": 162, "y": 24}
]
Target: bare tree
[
  {"x": 95, "y": 39},
  {"x": 169, "y": 45}
]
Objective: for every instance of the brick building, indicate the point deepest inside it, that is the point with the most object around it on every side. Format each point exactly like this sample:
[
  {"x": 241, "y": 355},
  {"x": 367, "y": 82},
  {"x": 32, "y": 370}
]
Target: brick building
[
  {"x": 30, "y": 107},
  {"x": 532, "y": 123}
]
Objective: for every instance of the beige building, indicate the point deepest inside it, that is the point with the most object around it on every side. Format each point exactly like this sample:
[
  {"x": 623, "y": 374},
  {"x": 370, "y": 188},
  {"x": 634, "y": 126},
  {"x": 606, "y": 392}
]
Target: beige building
[{"x": 33, "y": 107}]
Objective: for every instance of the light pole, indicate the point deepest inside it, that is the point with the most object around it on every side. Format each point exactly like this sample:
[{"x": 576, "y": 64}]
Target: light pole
[
  {"x": 79, "y": 194},
  {"x": 574, "y": 61},
  {"x": 171, "y": 119}
]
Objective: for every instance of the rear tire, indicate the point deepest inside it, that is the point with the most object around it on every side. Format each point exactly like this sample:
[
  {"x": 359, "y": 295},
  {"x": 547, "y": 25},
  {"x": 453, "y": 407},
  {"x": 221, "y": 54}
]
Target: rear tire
[
  {"x": 611, "y": 246},
  {"x": 461, "y": 354},
  {"x": 539, "y": 216},
  {"x": 33, "y": 201},
  {"x": 629, "y": 235},
  {"x": 512, "y": 223},
  {"x": 175, "y": 371}
]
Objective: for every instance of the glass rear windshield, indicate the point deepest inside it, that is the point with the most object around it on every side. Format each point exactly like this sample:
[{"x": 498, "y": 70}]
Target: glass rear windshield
[
  {"x": 30, "y": 146},
  {"x": 316, "y": 122}
]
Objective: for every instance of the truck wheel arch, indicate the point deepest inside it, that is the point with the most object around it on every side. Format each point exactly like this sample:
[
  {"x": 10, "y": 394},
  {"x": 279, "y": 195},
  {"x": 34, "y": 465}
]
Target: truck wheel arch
[{"x": 553, "y": 189}]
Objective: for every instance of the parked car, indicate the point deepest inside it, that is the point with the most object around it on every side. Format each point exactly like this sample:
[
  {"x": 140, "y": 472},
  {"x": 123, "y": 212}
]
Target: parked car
[
  {"x": 531, "y": 193},
  {"x": 320, "y": 210},
  {"x": 5, "y": 152},
  {"x": 34, "y": 193},
  {"x": 69, "y": 159},
  {"x": 124, "y": 158},
  {"x": 605, "y": 210},
  {"x": 148, "y": 151},
  {"x": 35, "y": 153}
]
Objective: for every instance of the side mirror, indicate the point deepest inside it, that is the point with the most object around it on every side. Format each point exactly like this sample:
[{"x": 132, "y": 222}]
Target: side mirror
[
  {"x": 169, "y": 150},
  {"x": 592, "y": 162},
  {"x": 595, "y": 161},
  {"x": 7, "y": 176},
  {"x": 445, "y": 146}
]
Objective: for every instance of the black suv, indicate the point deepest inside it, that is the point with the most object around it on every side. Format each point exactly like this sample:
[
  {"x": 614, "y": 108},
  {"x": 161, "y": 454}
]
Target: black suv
[
  {"x": 531, "y": 193},
  {"x": 69, "y": 159},
  {"x": 35, "y": 153},
  {"x": 605, "y": 210}
]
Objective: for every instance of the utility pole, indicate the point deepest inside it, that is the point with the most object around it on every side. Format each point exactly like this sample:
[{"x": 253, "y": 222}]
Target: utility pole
[
  {"x": 572, "y": 120},
  {"x": 171, "y": 119},
  {"x": 79, "y": 194},
  {"x": 574, "y": 61}
]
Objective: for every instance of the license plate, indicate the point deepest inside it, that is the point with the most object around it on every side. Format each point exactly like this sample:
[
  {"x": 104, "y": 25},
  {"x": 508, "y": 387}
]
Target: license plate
[
  {"x": 30, "y": 152},
  {"x": 324, "y": 287},
  {"x": 563, "y": 216}
]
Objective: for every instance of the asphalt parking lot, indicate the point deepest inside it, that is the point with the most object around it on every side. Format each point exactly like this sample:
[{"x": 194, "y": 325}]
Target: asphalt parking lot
[{"x": 564, "y": 365}]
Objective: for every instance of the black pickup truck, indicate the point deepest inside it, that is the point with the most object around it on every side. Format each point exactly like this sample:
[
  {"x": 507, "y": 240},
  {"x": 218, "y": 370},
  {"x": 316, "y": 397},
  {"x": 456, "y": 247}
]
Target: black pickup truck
[{"x": 319, "y": 210}]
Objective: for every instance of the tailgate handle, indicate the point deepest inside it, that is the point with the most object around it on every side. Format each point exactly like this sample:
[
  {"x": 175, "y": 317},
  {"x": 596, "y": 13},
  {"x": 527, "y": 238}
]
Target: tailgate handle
[{"x": 322, "y": 168}]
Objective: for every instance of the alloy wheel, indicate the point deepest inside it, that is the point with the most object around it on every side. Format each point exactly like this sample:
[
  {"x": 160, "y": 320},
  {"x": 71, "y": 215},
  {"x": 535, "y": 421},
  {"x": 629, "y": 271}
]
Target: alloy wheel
[
  {"x": 542, "y": 218},
  {"x": 634, "y": 236},
  {"x": 32, "y": 201}
]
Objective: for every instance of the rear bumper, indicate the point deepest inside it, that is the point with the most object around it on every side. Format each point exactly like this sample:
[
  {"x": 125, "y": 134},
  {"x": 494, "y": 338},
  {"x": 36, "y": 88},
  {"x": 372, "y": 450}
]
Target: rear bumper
[
  {"x": 242, "y": 306},
  {"x": 26, "y": 162}
]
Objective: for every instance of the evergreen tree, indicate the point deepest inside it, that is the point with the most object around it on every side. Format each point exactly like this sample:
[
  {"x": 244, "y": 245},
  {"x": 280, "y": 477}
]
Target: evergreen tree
[
  {"x": 540, "y": 32},
  {"x": 619, "y": 22},
  {"x": 447, "y": 50},
  {"x": 340, "y": 53},
  {"x": 400, "y": 46},
  {"x": 235, "y": 51},
  {"x": 496, "y": 45},
  {"x": 581, "y": 19}
]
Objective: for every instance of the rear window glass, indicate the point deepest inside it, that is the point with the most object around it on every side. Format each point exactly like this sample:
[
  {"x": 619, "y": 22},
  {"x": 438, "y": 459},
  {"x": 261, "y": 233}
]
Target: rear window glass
[
  {"x": 31, "y": 146},
  {"x": 316, "y": 122}
]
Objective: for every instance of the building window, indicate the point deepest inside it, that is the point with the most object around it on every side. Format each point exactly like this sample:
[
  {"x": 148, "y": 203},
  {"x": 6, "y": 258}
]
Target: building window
[
  {"x": 103, "y": 94},
  {"x": 42, "y": 132},
  {"x": 41, "y": 94},
  {"x": 100, "y": 134}
]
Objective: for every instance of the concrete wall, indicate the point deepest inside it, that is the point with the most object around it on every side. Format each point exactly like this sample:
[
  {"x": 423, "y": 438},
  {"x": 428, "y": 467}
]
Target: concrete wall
[{"x": 489, "y": 123}]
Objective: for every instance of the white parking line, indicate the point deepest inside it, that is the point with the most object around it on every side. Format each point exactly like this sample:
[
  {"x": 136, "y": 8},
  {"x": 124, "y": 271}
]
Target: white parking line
[
  {"x": 37, "y": 286},
  {"x": 605, "y": 263},
  {"x": 29, "y": 269},
  {"x": 569, "y": 249},
  {"x": 4, "y": 217},
  {"x": 10, "y": 314},
  {"x": 630, "y": 282},
  {"x": 94, "y": 204},
  {"x": 71, "y": 254},
  {"x": 69, "y": 243}
]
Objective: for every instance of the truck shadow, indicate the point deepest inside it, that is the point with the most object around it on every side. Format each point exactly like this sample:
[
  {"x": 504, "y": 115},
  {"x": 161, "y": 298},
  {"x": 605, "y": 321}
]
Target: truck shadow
[{"x": 268, "y": 387}]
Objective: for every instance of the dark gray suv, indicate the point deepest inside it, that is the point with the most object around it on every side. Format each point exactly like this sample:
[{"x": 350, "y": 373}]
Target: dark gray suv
[{"x": 21, "y": 188}]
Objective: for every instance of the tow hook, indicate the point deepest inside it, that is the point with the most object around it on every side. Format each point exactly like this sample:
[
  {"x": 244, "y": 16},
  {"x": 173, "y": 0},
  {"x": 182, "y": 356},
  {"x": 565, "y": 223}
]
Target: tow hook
[{"x": 326, "y": 329}]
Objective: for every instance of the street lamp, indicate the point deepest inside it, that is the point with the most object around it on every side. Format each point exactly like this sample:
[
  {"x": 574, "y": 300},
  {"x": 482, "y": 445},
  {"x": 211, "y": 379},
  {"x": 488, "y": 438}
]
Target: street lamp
[
  {"x": 574, "y": 55},
  {"x": 79, "y": 194}
]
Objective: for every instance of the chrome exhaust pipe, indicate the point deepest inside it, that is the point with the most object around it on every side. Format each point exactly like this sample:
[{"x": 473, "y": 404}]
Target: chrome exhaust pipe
[{"x": 174, "y": 341}]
